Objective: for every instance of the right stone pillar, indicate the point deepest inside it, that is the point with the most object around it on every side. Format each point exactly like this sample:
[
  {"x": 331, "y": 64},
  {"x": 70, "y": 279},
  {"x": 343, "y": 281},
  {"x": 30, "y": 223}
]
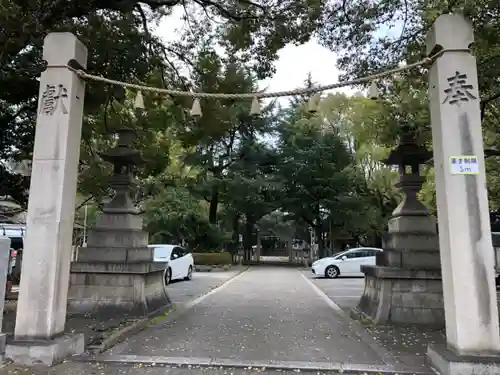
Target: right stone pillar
[{"x": 466, "y": 252}]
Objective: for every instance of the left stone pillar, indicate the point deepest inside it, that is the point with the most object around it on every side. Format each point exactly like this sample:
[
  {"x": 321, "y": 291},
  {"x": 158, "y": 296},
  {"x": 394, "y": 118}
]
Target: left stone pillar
[{"x": 41, "y": 311}]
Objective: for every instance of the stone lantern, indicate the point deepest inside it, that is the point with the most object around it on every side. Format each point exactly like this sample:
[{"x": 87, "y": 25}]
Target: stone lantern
[
  {"x": 408, "y": 156},
  {"x": 404, "y": 287},
  {"x": 124, "y": 159},
  {"x": 116, "y": 273}
]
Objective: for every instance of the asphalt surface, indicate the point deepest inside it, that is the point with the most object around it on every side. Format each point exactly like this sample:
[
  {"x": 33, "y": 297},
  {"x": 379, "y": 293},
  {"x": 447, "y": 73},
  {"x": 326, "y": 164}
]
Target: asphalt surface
[
  {"x": 264, "y": 314},
  {"x": 202, "y": 282},
  {"x": 266, "y": 320},
  {"x": 344, "y": 291},
  {"x": 76, "y": 368}
]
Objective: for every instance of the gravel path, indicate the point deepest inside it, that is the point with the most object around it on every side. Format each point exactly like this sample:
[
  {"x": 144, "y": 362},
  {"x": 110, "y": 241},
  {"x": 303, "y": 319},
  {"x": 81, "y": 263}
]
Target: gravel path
[{"x": 264, "y": 314}]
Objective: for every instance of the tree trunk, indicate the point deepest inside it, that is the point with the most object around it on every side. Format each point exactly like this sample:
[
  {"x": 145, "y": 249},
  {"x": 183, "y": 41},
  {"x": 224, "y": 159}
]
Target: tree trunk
[
  {"x": 319, "y": 240},
  {"x": 235, "y": 223},
  {"x": 214, "y": 204},
  {"x": 247, "y": 240},
  {"x": 378, "y": 240},
  {"x": 332, "y": 237}
]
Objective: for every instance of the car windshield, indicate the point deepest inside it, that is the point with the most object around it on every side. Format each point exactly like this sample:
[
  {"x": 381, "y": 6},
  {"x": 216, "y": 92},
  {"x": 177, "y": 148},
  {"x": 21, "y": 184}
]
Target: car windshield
[{"x": 340, "y": 255}]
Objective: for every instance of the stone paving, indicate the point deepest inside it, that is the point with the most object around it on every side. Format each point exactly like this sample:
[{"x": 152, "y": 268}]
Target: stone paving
[
  {"x": 202, "y": 282},
  {"x": 407, "y": 344},
  {"x": 272, "y": 320},
  {"x": 76, "y": 368},
  {"x": 344, "y": 291},
  {"x": 97, "y": 328},
  {"x": 264, "y": 314}
]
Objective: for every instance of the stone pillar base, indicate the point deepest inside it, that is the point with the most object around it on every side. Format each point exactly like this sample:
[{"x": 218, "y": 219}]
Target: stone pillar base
[
  {"x": 133, "y": 289},
  {"x": 446, "y": 362},
  {"x": 44, "y": 352},
  {"x": 400, "y": 296}
]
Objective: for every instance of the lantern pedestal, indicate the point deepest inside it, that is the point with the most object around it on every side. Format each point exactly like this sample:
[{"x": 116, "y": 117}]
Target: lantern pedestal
[
  {"x": 405, "y": 285},
  {"x": 116, "y": 272}
]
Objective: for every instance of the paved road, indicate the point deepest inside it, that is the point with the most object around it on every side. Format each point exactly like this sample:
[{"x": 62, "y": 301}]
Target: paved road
[
  {"x": 344, "y": 291},
  {"x": 202, "y": 282},
  {"x": 264, "y": 314},
  {"x": 77, "y": 368}
]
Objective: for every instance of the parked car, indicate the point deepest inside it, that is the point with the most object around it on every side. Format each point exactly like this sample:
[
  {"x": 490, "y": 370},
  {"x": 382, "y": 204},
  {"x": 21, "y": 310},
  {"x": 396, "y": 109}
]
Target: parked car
[
  {"x": 346, "y": 263},
  {"x": 180, "y": 262}
]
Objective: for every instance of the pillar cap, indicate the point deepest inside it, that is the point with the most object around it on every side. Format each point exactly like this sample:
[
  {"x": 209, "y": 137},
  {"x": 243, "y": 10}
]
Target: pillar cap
[
  {"x": 60, "y": 48},
  {"x": 449, "y": 31}
]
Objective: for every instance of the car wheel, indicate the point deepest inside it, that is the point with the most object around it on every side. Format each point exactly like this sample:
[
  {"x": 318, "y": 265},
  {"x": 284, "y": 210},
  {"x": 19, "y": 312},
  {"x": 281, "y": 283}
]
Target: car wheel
[
  {"x": 189, "y": 275},
  {"x": 332, "y": 272},
  {"x": 168, "y": 276}
]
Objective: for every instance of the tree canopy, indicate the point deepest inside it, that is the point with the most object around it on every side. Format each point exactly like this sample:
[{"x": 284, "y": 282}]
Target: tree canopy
[{"x": 208, "y": 182}]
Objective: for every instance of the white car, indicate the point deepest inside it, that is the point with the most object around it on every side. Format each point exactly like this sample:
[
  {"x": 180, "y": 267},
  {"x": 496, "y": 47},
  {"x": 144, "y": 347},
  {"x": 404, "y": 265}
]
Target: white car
[
  {"x": 346, "y": 263},
  {"x": 180, "y": 262}
]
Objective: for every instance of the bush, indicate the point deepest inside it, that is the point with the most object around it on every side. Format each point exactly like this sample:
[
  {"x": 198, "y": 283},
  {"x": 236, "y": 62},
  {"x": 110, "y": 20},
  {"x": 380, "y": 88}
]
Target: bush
[{"x": 212, "y": 259}]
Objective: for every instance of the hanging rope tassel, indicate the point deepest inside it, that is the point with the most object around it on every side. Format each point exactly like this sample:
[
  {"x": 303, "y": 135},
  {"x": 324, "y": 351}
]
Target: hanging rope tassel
[
  {"x": 373, "y": 91},
  {"x": 313, "y": 104},
  {"x": 255, "y": 109},
  {"x": 196, "y": 108},
  {"x": 139, "y": 101}
]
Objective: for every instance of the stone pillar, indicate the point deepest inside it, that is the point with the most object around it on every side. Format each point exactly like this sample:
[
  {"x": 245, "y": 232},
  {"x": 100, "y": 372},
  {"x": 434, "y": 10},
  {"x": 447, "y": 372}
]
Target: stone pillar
[
  {"x": 41, "y": 308},
  {"x": 405, "y": 285},
  {"x": 115, "y": 274},
  {"x": 4, "y": 270},
  {"x": 467, "y": 259}
]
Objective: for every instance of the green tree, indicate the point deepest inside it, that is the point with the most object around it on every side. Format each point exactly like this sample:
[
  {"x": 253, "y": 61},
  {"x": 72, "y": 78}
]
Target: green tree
[
  {"x": 122, "y": 47},
  {"x": 316, "y": 170},
  {"x": 361, "y": 122},
  {"x": 218, "y": 135},
  {"x": 251, "y": 187},
  {"x": 175, "y": 216},
  {"x": 375, "y": 36}
]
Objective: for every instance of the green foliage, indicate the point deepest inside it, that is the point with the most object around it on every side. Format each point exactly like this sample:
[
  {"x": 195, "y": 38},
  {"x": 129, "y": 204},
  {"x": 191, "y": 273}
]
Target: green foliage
[
  {"x": 320, "y": 183},
  {"x": 314, "y": 167},
  {"x": 206, "y": 180},
  {"x": 250, "y": 186},
  {"x": 374, "y": 36},
  {"x": 90, "y": 210},
  {"x": 122, "y": 47},
  {"x": 212, "y": 259},
  {"x": 428, "y": 192},
  {"x": 361, "y": 122},
  {"x": 277, "y": 224},
  {"x": 173, "y": 215}
]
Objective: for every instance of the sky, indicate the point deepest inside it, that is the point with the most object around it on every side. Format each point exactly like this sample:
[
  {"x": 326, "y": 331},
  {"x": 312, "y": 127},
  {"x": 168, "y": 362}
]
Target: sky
[{"x": 291, "y": 67}]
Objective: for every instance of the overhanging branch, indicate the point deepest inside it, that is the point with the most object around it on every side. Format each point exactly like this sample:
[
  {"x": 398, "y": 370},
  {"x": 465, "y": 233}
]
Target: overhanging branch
[{"x": 486, "y": 101}]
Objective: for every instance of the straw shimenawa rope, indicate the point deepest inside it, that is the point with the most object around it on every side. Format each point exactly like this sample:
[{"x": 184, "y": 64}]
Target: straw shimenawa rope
[{"x": 261, "y": 95}]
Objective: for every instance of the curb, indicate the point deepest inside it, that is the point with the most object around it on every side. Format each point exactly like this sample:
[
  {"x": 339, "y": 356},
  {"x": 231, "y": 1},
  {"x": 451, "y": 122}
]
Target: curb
[
  {"x": 168, "y": 313},
  {"x": 131, "y": 329},
  {"x": 259, "y": 366}
]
